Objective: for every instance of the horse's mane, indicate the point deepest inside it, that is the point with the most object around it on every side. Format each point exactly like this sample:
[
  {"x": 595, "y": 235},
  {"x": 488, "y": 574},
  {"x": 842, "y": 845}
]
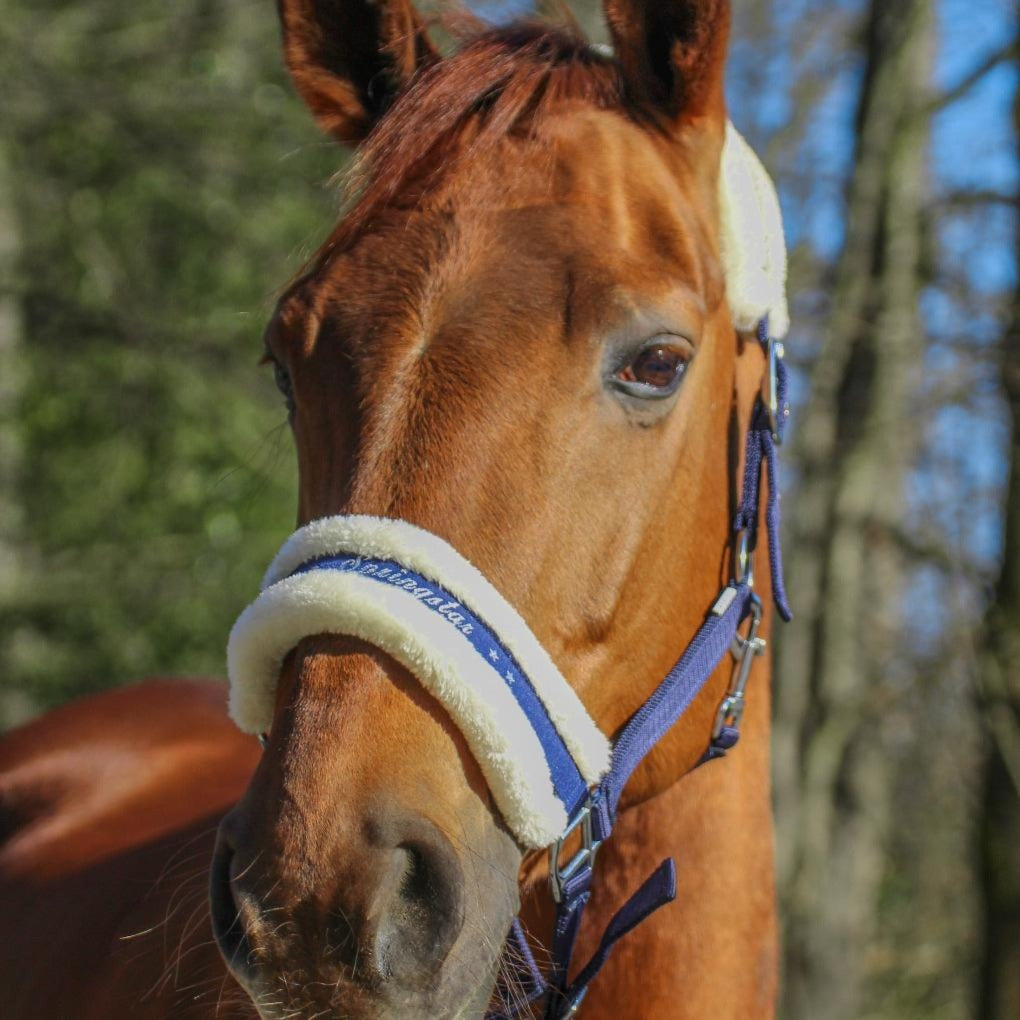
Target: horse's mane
[{"x": 500, "y": 82}]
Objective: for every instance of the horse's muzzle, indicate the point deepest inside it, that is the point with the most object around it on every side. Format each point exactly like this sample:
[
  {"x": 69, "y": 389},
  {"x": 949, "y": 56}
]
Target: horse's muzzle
[{"x": 382, "y": 929}]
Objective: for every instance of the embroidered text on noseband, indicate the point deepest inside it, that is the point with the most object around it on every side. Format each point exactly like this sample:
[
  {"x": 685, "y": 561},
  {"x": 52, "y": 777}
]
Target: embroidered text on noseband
[{"x": 568, "y": 783}]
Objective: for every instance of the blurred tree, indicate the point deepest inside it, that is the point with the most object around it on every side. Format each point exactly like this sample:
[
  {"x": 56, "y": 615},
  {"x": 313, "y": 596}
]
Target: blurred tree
[
  {"x": 13, "y": 702},
  {"x": 158, "y": 173},
  {"x": 840, "y": 669},
  {"x": 1000, "y": 832}
]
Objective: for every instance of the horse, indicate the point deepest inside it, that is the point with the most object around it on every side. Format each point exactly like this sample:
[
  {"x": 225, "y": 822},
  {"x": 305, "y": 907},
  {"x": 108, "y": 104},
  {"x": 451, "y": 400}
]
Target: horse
[{"x": 529, "y": 338}]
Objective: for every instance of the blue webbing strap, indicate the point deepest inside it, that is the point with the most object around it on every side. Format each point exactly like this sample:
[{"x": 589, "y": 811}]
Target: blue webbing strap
[
  {"x": 674, "y": 695},
  {"x": 658, "y": 889},
  {"x": 644, "y": 730},
  {"x": 761, "y": 450}
]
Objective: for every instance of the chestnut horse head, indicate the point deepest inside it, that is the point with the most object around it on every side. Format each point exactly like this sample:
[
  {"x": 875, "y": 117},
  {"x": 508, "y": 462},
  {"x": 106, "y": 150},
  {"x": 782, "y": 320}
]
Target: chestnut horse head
[{"x": 520, "y": 339}]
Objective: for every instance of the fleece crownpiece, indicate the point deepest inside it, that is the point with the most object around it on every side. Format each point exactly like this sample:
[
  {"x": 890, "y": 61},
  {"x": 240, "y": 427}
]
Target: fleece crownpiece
[
  {"x": 411, "y": 594},
  {"x": 753, "y": 247}
]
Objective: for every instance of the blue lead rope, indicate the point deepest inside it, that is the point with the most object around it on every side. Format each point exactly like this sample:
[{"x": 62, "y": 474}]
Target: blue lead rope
[{"x": 735, "y": 605}]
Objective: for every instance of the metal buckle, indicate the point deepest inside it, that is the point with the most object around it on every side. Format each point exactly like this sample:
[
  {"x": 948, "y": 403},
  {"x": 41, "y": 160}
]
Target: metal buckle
[
  {"x": 745, "y": 650},
  {"x": 774, "y": 352},
  {"x": 559, "y": 876}
]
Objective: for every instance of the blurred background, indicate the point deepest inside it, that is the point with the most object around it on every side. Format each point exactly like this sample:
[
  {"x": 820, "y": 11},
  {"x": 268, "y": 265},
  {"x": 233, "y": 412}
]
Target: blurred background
[{"x": 159, "y": 182}]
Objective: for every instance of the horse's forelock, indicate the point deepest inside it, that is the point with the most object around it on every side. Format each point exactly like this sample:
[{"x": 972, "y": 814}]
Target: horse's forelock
[{"x": 500, "y": 82}]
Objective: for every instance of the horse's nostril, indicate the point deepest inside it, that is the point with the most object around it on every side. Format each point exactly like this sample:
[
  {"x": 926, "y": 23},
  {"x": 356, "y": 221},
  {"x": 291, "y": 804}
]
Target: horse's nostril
[
  {"x": 425, "y": 913},
  {"x": 228, "y": 927}
]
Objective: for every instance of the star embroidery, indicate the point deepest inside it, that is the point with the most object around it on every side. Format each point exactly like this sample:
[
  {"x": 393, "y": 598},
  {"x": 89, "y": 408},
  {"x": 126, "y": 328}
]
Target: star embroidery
[
  {"x": 510, "y": 677},
  {"x": 494, "y": 655}
]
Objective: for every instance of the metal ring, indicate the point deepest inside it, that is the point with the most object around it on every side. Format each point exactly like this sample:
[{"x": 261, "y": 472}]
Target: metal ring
[{"x": 774, "y": 352}]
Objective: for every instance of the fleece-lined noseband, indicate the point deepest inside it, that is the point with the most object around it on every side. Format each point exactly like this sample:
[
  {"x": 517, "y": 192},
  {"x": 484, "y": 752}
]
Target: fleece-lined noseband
[
  {"x": 413, "y": 595},
  {"x": 550, "y": 768}
]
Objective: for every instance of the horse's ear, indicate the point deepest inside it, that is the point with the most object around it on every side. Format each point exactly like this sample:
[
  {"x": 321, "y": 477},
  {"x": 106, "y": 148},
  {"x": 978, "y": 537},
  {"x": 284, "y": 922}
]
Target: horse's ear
[
  {"x": 673, "y": 53},
  {"x": 349, "y": 58}
]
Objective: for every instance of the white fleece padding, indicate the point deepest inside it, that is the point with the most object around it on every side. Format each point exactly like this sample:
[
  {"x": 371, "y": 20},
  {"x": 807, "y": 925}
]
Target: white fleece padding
[
  {"x": 753, "y": 244},
  {"x": 442, "y": 660},
  {"x": 429, "y": 555}
]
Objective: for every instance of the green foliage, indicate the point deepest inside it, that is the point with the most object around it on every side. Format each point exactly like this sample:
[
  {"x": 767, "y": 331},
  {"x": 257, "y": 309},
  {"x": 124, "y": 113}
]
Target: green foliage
[{"x": 165, "y": 184}]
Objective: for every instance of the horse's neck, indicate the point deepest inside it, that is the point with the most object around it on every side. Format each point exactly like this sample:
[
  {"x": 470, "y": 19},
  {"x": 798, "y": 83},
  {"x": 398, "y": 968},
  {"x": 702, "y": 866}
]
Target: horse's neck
[{"x": 713, "y": 952}]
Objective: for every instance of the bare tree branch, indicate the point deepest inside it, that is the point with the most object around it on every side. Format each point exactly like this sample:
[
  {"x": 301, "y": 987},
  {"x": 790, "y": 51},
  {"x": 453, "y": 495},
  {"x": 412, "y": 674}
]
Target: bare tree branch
[
  {"x": 968, "y": 197},
  {"x": 1008, "y": 52},
  {"x": 1001, "y": 719}
]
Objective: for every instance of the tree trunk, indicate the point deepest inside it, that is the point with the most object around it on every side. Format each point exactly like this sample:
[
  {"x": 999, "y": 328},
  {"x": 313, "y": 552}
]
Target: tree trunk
[
  {"x": 15, "y": 706},
  {"x": 1000, "y": 828},
  {"x": 839, "y": 666}
]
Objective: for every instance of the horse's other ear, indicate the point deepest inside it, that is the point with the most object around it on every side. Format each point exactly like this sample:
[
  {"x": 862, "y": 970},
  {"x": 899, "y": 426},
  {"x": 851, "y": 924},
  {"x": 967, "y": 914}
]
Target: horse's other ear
[
  {"x": 349, "y": 58},
  {"x": 673, "y": 53}
]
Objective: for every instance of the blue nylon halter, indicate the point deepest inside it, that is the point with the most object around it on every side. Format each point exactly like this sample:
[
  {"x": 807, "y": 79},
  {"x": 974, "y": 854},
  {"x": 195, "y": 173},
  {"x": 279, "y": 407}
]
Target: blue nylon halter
[
  {"x": 736, "y": 604},
  {"x": 593, "y": 812}
]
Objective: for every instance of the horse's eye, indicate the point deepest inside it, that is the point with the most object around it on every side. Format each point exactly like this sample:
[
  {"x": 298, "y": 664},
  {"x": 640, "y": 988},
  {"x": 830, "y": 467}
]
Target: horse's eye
[
  {"x": 655, "y": 372},
  {"x": 284, "y": 384}
]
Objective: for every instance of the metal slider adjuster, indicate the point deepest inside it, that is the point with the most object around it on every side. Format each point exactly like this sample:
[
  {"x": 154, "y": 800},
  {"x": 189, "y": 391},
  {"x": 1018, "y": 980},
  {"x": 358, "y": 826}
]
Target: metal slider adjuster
[
  {"x": 745, "y": 650},
  {"x": 559, "y": 876},
  {"x": 774, "y": 352},
  {"x": 742, "y": 556}
]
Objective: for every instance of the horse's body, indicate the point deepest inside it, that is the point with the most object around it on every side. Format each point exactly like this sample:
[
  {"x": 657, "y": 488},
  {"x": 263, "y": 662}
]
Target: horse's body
[
  {"x": 490, "y": 347},
  {"x": 108, "y": 815}
]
